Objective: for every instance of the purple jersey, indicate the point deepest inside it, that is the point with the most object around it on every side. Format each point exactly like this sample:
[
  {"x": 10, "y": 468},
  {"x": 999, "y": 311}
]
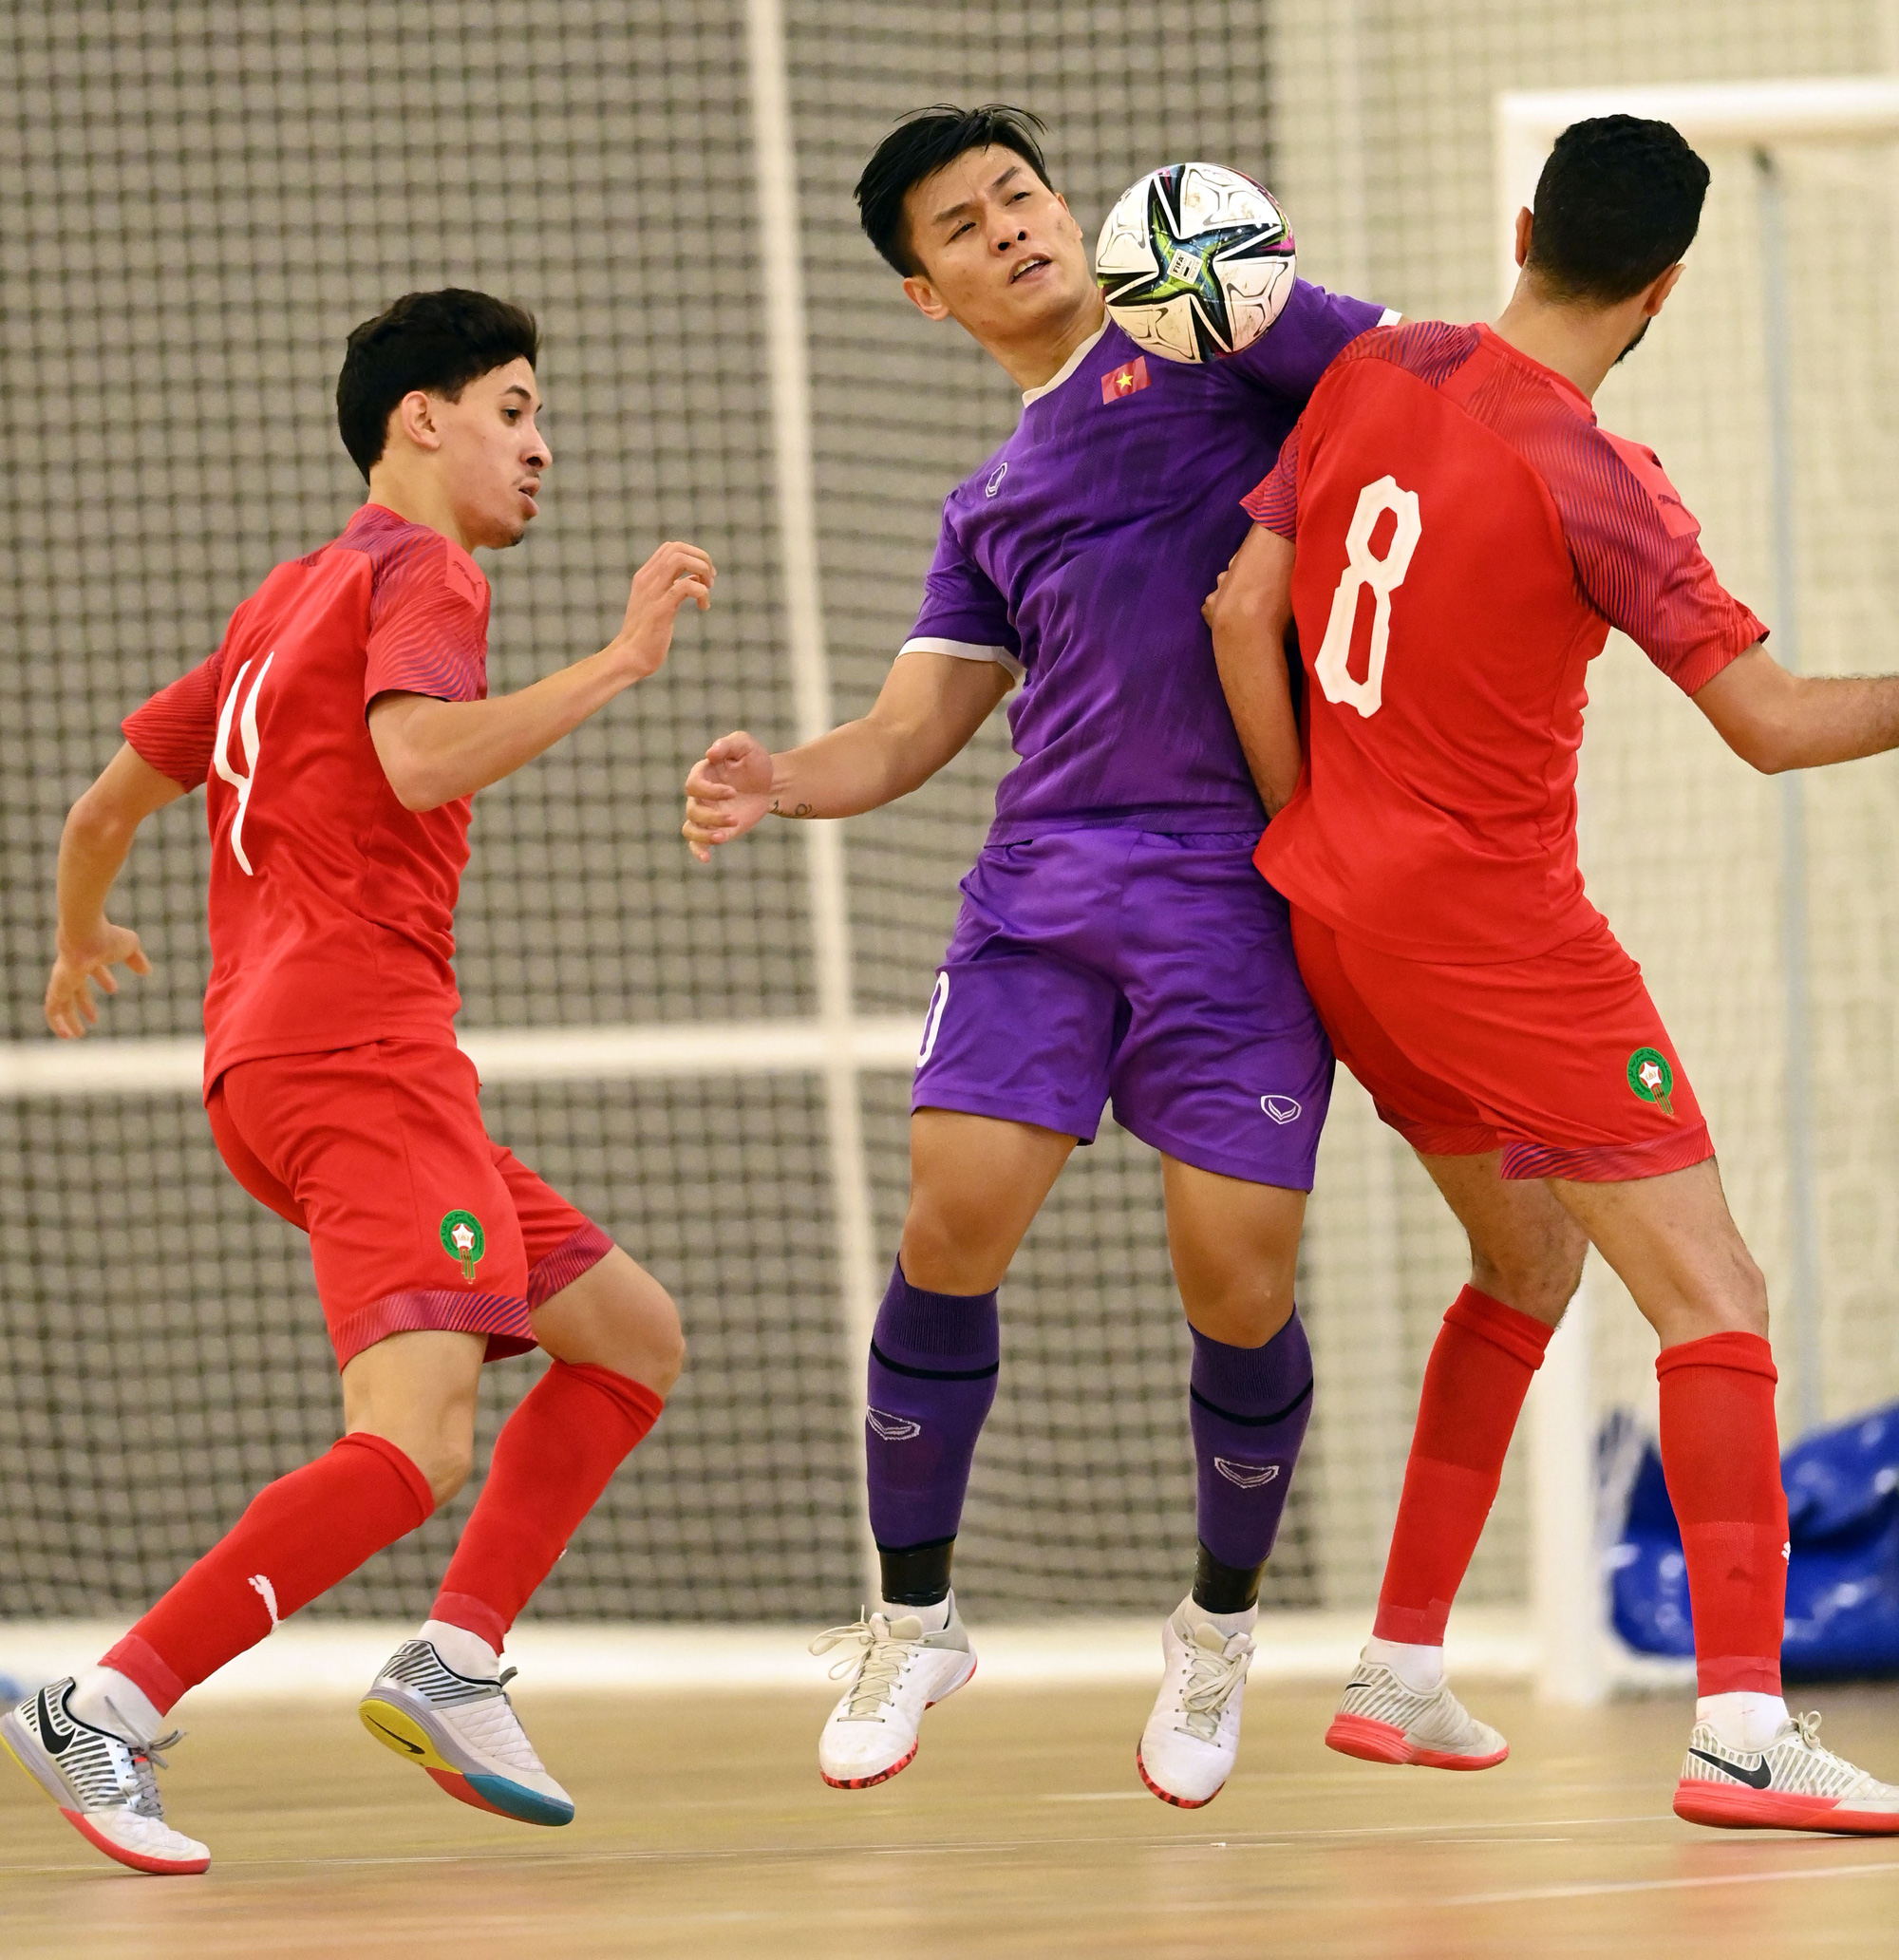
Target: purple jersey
[{"x": 1077, "y": 555}]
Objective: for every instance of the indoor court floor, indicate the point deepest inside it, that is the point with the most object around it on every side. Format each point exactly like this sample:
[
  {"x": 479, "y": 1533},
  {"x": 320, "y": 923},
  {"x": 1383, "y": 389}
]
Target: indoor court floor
[{"x": 1019, "y": 1830}]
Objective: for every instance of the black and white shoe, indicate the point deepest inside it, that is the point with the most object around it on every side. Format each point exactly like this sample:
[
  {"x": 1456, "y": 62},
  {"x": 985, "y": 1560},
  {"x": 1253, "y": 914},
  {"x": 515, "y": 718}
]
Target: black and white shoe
[
  {"x": 1792, "y": 1784},
  {"x": 464, "y": 1733},
  {"x": 102, "y": 1783}
]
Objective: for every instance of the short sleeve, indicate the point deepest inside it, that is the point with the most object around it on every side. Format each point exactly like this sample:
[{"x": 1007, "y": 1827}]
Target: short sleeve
[
  {"x": 1638, "y": 553},
  {"x": 1313, "y": 325},
  {"x": 963, "y": 614},
  {"x": 177, "y": 730},
  {"x": 428, "y": 623},
  {"x": 1275, "y": 501}
]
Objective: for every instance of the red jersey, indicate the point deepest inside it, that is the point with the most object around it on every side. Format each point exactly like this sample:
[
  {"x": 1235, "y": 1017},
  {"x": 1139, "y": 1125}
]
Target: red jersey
[
  {"x": 331, "y": 906},
  {"x": 1467, "y": 537}
]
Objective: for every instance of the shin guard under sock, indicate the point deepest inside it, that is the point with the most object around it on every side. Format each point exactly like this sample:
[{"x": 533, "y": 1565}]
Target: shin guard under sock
[
  {"x": 933, "y": 1377},
  {"x": 1720, "y": 1455},
  {"x": 298, "y": 1538},
  {"x": 1249, "y": 1407},
  {"x": 1479, "y": 1373},
  {"x": 554, "y": 1455}
]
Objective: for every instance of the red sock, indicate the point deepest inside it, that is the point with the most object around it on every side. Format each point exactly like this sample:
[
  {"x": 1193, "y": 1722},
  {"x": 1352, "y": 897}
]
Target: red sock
[
  {"x": 298, "y": 1539},
  {"x": 1474, "y": 1387},
  {"x": 552, "y": 1460},
  {"x": 1720, "y": 1454}
]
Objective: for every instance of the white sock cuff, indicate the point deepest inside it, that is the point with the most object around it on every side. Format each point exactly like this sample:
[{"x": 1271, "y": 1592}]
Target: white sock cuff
[
  {"x": 1421, "y": 1668},
  {"x": 466, "y": 1653},
  {"x": 103, "y": 1698}
]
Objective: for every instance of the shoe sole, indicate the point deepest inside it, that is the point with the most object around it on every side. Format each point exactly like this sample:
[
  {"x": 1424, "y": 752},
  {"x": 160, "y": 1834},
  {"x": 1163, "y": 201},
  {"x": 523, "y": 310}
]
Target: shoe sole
[
  {"x": 1384, "y": 1742},
  {"x": 19, "y": 1743},
  {"x": 1168, "y": 1796},
  {"x": 883, "y": 1776},
  {"x": 411, "y": 1733},
  {"x": 1736, "y": 1809}
]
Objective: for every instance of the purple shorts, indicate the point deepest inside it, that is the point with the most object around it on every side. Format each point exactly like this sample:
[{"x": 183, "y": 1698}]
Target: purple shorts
[{"x": 1159, "y": 971}]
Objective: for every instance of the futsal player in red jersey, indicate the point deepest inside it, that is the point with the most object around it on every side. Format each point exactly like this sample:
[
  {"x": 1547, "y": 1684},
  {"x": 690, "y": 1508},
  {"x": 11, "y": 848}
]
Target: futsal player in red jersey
[
  {"x": 1453, "y": 536},
  {"x": 341, "y": 730}
]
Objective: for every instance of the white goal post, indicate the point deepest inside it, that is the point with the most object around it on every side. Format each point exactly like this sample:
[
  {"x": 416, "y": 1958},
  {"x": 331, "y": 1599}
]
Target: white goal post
[{"x": 1576, "y": 1660}]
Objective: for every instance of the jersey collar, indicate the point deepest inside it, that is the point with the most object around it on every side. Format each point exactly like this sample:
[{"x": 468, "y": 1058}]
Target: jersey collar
[
  {"x": 1069, "y": 367},
  {"x": 1561, "y": 383}
]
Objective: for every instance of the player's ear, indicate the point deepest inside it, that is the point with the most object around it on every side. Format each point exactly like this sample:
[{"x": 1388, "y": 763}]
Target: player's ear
[
  {"x": 924, "y": 297},
  {"x": 1523, "y": 228},
  {"x": 1658, "y": 293},
  {"x": 415, "y": 416}
]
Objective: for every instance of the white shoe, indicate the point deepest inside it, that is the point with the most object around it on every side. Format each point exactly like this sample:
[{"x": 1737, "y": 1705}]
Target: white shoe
[
  {"x": 465, "y": 1733},
  {"x": 102, "y": 1783},
  {"x": 1792, "y": 1784},
  {"x": 1380, "y": 1719},
  {"x": 1188, "y": 1747},
  {"x": 897, "y": 1673}
]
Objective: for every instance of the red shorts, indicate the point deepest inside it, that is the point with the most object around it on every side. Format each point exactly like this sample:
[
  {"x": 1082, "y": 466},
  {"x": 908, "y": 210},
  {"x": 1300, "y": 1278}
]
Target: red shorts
[
  {"x": 416, "y": 1219},
  {"x": 1560, "y": 1062}
]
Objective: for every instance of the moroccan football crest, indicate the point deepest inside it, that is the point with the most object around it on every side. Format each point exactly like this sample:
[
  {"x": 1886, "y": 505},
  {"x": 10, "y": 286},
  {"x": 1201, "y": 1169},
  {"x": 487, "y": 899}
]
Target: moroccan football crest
[
  {"x": 1651, "y": 1078},
  {"x": 463, "y": 1240}
]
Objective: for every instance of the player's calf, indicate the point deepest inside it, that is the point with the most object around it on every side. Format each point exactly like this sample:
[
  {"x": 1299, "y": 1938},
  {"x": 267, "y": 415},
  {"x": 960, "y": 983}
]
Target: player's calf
[
  {"x": 102, "y": 1782},
  {"x": 460, "y": 1726}
]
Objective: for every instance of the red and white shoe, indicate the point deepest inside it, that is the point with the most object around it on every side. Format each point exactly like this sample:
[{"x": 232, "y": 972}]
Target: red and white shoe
[
  {"x": 1792, "y": 1784},
  {"x": 1193, "y": 1736},
  {"x": 896, "y": 1674},
  {"x": 1380, "y": 1719},
  {"x": 103, "y": 1783}
]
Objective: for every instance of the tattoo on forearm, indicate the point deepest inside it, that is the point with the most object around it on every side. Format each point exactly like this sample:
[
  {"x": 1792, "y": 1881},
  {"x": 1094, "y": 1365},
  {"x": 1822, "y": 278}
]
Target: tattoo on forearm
[{"x": 777, "y": 809}]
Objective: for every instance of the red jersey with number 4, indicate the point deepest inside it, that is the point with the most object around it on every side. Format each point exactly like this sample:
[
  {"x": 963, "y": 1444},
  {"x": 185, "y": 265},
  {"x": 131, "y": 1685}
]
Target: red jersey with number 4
[
  {"x": 1467, "y": 535},
  {"x": 331, "y": 906}
]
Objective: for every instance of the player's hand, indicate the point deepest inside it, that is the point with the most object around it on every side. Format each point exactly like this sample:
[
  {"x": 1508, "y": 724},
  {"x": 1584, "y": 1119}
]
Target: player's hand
[
  {"x": 1210, "y": 604},
  {"x": 728, "y": 790},
  {"x": 70, "y": 1009},
  {"x": 673, "y": 575}
]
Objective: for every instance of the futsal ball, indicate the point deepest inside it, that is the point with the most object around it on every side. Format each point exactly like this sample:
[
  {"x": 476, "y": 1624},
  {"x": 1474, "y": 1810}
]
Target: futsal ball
[{"x": 1195, "y": 261}]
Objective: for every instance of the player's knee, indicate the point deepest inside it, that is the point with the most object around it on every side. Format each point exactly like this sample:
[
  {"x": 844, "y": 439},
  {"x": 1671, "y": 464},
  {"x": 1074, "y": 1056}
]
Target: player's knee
[
  {"x": 950, "y": 1248},
  {"x": 1539, "y": 1280},
  {"x": 445, "y": 1458}
]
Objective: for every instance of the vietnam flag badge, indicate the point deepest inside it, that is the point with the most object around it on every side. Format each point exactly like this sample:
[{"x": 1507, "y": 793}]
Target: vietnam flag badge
[{"x": 1128, "y": 379}]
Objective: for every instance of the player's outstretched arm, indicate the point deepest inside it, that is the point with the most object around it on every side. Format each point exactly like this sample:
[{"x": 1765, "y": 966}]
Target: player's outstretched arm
[
  {"x": 93, "y": 849},
  {"x": 434, "y": 751},
  {"x": 1776, "y": 719},
  {"x": 1249, "y": 612},
  {"x": 929, "y": 706}
]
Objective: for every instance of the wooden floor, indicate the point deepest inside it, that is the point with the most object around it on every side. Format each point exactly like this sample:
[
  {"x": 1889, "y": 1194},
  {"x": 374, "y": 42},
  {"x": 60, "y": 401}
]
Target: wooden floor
[{"x": 703, "y": 1830}]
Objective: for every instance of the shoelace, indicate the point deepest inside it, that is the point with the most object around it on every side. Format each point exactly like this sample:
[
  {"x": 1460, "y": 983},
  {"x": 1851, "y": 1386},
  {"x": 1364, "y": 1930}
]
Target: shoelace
[
  {"x": 880, "y": 1661},
  {"x": 144, "y": 1760},
  {"x": 1210, "y": 1682}
]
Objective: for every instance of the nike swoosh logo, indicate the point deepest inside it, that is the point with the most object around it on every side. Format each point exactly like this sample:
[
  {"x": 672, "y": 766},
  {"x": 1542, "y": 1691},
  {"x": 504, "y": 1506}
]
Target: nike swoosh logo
[
  {"x": 401, "y": 1741},
  {"x": 1350, "y": 1684},
  {"x": 1753, "y": 1779},
  {"x": 56, "y": 1745}
]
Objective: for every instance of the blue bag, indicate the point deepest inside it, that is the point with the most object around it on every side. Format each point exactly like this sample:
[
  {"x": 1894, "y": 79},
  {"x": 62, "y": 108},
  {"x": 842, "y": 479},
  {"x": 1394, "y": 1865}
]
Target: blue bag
[{"x": 1843, "y": 1577}]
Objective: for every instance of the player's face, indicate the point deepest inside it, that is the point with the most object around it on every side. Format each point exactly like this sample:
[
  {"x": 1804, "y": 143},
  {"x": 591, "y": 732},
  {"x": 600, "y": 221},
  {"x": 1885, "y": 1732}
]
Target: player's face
[
  {"x": 493, "y": 455},
  {"x": 1001, "y": 253}
]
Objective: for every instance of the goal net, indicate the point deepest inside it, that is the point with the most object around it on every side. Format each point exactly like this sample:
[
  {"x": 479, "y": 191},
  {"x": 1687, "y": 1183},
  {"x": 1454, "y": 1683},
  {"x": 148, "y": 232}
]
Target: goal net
[{"x": 715, "y": 1062}]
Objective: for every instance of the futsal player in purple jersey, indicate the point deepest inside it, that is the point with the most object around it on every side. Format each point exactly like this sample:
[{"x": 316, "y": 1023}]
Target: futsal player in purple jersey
[{"x": 1114, "y": 941}]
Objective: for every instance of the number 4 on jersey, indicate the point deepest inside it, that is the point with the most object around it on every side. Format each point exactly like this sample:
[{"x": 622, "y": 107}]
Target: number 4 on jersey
[{"x": 1383, "y": 577}]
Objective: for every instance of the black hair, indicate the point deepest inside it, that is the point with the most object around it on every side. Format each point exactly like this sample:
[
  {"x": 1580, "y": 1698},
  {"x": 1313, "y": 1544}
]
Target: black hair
[
  {"x": 919, "y": 146},
  {"x": 438, "y": 341},
  {"x": 1618, "y": 203}
]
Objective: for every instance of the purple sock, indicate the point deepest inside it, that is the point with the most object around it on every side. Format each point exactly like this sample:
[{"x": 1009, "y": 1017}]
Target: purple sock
[
  {"x": 1249, "y": 1407},
  {"x": 933, "y": 1377}
]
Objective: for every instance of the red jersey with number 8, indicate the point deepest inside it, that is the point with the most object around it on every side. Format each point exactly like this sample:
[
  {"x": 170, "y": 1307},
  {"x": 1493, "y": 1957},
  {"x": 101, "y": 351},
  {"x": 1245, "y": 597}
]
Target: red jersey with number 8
[
  {"x": 1467, "y": 534},
  {"x": 332, "y": 907}
]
